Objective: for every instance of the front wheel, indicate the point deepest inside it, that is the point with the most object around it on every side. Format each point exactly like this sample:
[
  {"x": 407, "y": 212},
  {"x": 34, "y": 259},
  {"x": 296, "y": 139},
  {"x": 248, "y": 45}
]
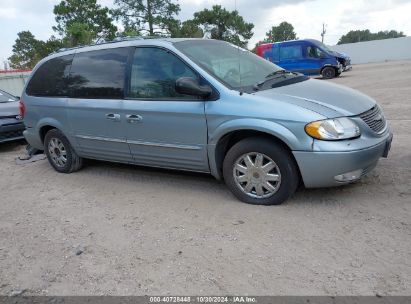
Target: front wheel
[
  {"x": 328, "y": 72},
  {"x": 260, "y": 172}
]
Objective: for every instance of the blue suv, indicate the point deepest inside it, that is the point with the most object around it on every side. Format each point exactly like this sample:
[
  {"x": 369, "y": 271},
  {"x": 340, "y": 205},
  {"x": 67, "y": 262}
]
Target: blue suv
[{"x": 309, "y": 56}]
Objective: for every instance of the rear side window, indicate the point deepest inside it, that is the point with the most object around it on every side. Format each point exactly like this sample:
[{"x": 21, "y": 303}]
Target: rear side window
[
  {"x": 276, "y": 54},
  {"x": 51, "y": 78},
  {"x": 290, "y": 52},
  {"x": 99, "y": 74}
]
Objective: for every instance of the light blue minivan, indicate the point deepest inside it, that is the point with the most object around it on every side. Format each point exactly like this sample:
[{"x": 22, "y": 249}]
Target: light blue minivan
[{"x": 201, "y": 105}]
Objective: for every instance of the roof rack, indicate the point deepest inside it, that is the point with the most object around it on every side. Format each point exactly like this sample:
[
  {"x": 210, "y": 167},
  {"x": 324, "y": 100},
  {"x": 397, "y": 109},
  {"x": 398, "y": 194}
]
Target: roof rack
[
  {"x": 117, "y": 39},
  {"x": 128, "y": 38}
]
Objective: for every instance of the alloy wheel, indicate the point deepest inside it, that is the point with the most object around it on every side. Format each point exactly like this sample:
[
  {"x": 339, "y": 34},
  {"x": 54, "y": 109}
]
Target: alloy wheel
[
  {"x": 57, "y": 151},
  {"x": 257, "y": 175}
]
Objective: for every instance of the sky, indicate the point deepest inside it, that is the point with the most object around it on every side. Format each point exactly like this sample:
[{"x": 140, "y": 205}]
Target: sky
[{"x": 307, "y": 17}]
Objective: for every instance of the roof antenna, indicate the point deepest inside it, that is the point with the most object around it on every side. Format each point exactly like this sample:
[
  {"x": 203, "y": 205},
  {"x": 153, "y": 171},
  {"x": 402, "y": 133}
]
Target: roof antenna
[{"x": 239, "y": 56}]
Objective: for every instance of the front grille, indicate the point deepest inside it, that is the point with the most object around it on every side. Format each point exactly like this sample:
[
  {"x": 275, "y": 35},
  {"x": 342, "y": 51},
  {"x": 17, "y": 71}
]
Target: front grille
[
  {"x": 11, "y": 134},
  {"x": 374, "y": 119}
]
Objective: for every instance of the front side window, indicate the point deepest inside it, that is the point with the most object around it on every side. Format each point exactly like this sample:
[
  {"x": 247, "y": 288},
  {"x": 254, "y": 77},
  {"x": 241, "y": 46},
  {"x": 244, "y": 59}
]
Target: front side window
[
  {"x": 154, "y": 72},
  {"x": 99, "y": 74},
  {"x": 51, "y": 78},
  {"x": 235, "y": 67},
  {"x": 290, "y": 52},
  {"x": 313, "y": 52}
]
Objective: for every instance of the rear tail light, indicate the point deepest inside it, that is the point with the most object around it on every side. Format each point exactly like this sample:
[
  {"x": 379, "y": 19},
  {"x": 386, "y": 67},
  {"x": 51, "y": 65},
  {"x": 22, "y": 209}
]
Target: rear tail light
[{"x": 21, "y": 108}]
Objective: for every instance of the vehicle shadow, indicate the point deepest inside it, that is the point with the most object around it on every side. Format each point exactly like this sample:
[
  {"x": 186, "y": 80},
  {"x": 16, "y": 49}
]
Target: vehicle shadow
[
  {"x": 325, "y": 79},
  {"x": 205, "y": 184},
  {"x": 12, "y": 146},
  {"x": 148, "y": 174}
]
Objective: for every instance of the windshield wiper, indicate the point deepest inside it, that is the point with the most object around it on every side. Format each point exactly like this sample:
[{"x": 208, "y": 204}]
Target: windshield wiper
[
  {"x": 279, "y": 72},
  {"x": 271, "y": 76}
]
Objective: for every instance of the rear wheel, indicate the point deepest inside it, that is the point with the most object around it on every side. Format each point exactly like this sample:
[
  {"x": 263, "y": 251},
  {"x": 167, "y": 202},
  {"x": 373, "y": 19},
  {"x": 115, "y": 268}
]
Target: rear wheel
[
  {"x": 60, "y": 154},
  {"x": 328, "y": 72},
  {"x": 260, "y": 172}
]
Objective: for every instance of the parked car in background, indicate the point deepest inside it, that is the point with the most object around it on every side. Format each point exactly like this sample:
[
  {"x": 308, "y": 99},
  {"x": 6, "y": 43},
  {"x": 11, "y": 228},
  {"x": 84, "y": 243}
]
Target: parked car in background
[
  {"x": 202, "y": 105},
  {"x": 309, "y": 57},
  {"x": 11, "y": 124}
]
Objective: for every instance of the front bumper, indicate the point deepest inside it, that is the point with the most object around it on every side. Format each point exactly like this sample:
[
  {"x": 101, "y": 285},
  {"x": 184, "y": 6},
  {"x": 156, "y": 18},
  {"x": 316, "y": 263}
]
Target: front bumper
[
  {"x": 33, "y": 138},
  {"x": 347, "y": 68},
  {"x": 319, "y": 169},
  {"x": 11, "y": 129}
]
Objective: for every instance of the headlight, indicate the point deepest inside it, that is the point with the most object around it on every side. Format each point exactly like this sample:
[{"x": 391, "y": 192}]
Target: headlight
[{"x": 333, "y": 129}]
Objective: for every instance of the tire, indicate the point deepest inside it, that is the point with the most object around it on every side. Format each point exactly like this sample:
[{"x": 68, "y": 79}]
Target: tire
[
  {"x": 62, "y": 157},
  {"x": 328, "y": 72},
  {"x": 239, "y": 182}
]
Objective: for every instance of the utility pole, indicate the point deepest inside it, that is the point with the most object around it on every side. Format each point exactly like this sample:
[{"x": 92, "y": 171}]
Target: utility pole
[{"x": 323, "y": 33}]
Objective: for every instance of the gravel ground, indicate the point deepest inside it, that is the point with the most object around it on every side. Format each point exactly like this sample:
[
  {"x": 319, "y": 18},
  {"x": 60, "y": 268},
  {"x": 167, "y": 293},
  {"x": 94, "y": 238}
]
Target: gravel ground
[{"x": 114, "y": 229}]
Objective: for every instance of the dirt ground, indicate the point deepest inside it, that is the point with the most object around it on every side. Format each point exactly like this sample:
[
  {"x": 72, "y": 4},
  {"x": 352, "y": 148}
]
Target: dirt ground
[{"x": 114, "y": 229}]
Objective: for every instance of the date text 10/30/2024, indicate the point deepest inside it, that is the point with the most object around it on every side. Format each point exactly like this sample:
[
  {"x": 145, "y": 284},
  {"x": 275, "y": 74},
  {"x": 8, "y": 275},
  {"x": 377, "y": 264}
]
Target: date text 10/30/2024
[{"x": 203, "y": 299}]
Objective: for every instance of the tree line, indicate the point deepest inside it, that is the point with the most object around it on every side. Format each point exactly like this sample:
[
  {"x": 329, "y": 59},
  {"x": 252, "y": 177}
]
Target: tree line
[{"x": 82, "y": 22}]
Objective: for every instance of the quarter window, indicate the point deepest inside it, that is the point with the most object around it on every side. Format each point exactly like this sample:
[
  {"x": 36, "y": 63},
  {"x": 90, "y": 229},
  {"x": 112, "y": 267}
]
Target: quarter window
[
  {"x": 99, "y": 74},
  {"x": 51, "y": 78},
  {"x": 154, "y": 72}
]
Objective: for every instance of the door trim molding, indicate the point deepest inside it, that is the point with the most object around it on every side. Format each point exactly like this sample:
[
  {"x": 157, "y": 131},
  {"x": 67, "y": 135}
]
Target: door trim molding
[
  {"x": 142, "y": 143},
  {"x": 163, "y": 145},
  {"x": 102, "y": 138}
]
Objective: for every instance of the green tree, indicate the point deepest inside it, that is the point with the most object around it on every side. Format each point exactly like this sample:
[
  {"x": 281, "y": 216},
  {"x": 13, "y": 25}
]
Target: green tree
[
  {"x": 187, "y": 29},
  {"x": 83, "y": 20},
  {"x": 218, "y": 23},
  {"x": 282, "y": 32},
  {"x": 27, "y": 50},
  {"x": 78, "y": 34},
  {"x": 389, "y": 34},
  {"x": 366, "y": 35},
  {"x": 45, "y": 48},
  {"x": 150, "y": 17},
  {"x": 24, "y": 51}
]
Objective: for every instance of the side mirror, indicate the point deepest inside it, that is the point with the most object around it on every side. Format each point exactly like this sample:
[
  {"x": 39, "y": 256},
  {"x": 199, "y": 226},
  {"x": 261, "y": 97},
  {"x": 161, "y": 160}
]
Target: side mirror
[{"x": 189, "y": 86}]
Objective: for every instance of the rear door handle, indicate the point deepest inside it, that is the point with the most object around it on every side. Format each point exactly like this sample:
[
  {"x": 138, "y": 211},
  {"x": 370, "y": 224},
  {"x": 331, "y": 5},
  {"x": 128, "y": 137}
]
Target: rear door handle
[
  {"x": 113, "y": 117},
  {"x": 133, "y": 118}
]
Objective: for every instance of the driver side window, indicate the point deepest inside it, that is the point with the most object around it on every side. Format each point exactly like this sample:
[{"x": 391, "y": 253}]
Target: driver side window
[
  {"x": 154, "y": 72},
  {"x": 313, "y": 52}
]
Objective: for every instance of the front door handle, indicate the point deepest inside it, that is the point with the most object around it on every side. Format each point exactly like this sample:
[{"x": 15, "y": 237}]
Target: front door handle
[
  {"x": 113, "y": 117},
  {"x": 133, "y": 118}
]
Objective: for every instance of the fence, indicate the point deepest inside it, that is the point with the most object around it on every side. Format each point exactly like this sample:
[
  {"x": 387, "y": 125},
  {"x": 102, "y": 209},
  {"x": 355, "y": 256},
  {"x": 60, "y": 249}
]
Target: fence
[
  {"x": 12, "y": 81},
  {"x": 377, "y": 50}
]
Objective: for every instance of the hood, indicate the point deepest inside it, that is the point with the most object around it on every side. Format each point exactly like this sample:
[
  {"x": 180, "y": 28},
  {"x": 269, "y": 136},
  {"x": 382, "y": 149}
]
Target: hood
[
  {"x": 9, "y": 108},
  {"x": 340, "y": 55},
  {"x": 328, "y": 99}
]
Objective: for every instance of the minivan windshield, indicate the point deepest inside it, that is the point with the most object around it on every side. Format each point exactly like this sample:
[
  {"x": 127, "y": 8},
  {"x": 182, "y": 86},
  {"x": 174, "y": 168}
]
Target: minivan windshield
[{"x": 237, "y": 68}]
